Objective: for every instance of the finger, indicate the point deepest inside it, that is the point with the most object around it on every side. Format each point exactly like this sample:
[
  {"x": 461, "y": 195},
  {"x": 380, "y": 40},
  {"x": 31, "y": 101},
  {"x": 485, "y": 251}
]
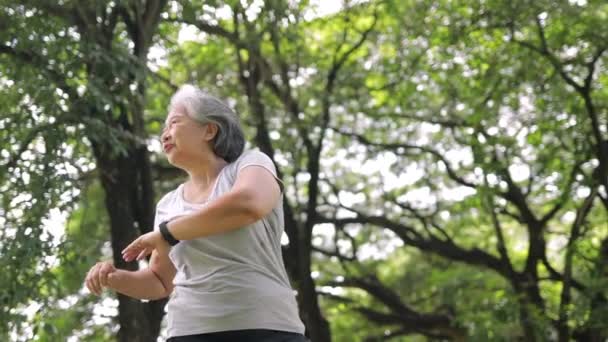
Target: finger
[
  {"x": 127, "y": 251},
  {"x": 103, "y": 276},
  {"x": 130, "y": 255},
  {"x": 143, "y": 254},
  {"x": 90, "y": 284},
  {"x": 126, "y": 248},
  {"x": 107, "y": 269},
  {"x": 93, "y": 278},
  {"x": 131, "y": 252},
  {"x": 111, "y": 277},
  {"x": 87, "y": 282},
  {"x": 100, "y": 280},
  {"x": 97, "y": 279},
  {"x": 136, "y": 248},
  {"x": 132, "y": 245}
]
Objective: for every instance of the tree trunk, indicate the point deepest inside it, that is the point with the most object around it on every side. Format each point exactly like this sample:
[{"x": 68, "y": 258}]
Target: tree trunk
[
  {"x": 120, "y": 177},
  {"x": 317, "y": 326},
  {"x": 593, "y": 330},
  {"x": 297, "y": 254}
]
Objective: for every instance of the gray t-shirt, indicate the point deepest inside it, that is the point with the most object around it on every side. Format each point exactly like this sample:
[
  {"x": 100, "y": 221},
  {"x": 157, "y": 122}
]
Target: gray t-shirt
[{"x": 230, "y": 281}]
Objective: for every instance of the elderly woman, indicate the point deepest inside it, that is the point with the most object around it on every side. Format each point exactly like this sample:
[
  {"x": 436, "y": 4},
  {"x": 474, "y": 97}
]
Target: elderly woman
[{"x": 216, "y": 247}]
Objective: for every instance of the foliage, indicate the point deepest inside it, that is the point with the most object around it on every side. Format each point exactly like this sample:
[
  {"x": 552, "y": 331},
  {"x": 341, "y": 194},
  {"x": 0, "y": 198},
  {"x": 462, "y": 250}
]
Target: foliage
[{"x": 445, "y": 162}]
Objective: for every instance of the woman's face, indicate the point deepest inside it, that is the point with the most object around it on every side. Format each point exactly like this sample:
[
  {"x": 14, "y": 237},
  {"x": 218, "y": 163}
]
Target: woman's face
[{"x": 184, "y": 139}]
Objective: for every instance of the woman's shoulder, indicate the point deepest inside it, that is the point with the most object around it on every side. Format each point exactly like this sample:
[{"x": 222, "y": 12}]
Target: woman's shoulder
[
  {"x": 253, "y": 152},
  {"x": 251, "y": 156}
]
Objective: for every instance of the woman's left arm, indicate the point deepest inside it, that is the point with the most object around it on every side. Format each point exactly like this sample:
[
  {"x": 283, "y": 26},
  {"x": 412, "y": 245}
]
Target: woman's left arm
[{"x": 254, "y": 194}]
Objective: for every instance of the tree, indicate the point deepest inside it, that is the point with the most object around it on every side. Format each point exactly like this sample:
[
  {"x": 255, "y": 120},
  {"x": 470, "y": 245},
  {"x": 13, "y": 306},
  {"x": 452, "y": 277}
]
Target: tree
[
  {"x": 94, "y": 58},
  {"x": 494, "y": 86},
  {"x": 444, "y": 162},
  {"x": 484, "y": 90}
]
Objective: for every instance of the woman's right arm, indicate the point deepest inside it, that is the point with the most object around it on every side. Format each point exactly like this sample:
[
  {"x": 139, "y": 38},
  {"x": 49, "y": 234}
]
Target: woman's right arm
[{"x": 154, "y": 282}]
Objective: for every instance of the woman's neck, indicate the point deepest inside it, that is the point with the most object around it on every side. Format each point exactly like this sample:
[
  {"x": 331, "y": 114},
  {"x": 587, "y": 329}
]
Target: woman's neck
[{"x": 205, "y": 172}]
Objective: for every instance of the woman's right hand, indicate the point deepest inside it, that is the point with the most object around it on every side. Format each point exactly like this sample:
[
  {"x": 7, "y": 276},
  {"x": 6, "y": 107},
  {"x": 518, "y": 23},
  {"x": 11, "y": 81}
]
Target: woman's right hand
[{"x": 98, "y": 275}]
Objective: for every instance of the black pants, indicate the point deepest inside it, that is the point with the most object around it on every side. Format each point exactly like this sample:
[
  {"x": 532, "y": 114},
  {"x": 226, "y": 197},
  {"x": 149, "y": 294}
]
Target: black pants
[{"x": 249, "y": 335}]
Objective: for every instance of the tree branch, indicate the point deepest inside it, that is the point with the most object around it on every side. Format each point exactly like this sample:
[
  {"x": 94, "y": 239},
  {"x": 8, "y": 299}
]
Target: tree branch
[
  {"x": 583, "y": 90},
  {"x": 332, "y": 75},
  {"x": 446, "y": 249},
  {"x": 575, "y": 233},
  {"x": 396, "y": 146},
  {"x": 500, "y": 239},
  {"x": 400, "y": 314},
  {"x": 36, "y": 60}
]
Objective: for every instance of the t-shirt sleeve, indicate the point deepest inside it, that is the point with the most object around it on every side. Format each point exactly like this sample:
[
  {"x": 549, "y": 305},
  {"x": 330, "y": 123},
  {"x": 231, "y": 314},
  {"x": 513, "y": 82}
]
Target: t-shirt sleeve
[
  {"x": 156, "y": 219},
  {"x": 162, "y": 211},
  {"x": 257, "y": 158}
]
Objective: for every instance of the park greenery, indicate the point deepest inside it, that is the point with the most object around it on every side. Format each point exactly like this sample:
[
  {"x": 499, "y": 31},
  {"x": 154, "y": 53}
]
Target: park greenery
[{"x": 445, "y": 162}]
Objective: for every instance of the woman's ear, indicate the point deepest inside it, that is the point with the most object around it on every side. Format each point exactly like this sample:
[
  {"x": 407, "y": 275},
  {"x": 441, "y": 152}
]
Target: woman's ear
[{"x": 210, "y": 131}]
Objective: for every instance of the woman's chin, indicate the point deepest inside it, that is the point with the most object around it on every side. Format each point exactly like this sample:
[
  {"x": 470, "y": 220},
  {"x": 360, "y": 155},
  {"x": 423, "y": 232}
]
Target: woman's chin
[
  {"x": 171, "y": 158},
  {"x": 174, "y": 160}
]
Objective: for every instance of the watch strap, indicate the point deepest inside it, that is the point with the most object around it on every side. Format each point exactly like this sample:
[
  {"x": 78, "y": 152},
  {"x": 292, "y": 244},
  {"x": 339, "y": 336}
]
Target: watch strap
[{"x": 164, "y": 231}]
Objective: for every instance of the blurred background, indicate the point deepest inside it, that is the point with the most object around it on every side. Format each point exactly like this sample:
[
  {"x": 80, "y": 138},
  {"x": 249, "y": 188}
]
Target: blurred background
[{"x": 445, "y": 162}]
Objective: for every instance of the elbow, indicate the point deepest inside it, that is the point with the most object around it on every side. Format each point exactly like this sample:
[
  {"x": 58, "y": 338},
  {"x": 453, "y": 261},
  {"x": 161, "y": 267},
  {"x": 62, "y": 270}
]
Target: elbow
[
  {"x": 253, "y": 213},
  {"x": 251, "y": 206},
  {"x": 256, "y": 214},
  {"x": 165, "y": 293},
  {"x": 159, "y": 296},
  {"x": 165, "y": 287}
]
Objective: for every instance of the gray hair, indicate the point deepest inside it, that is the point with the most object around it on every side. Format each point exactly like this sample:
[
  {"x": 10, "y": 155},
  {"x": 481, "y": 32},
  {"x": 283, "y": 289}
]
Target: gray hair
[{"x": 229, "y": 141}]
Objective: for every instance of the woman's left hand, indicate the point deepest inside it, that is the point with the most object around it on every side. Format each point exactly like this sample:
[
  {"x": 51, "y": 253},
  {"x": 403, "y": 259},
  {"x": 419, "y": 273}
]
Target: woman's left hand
[{"x": 143, "y": 246}]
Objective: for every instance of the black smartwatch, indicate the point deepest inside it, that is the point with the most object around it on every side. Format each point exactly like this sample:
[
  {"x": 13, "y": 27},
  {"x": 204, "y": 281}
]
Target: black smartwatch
[{"x": 164, "y": 231}]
